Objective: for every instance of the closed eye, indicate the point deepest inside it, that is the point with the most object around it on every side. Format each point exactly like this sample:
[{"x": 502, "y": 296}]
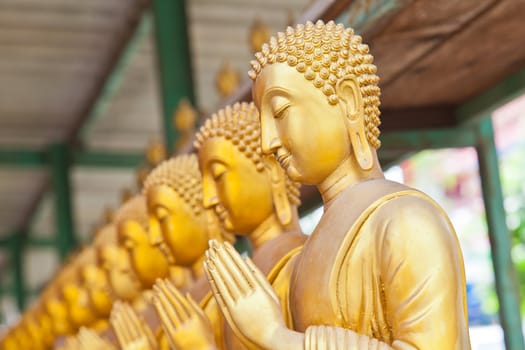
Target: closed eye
[
  {"x": 281, "y": 112},
  {"x": 218, "y": 170}
]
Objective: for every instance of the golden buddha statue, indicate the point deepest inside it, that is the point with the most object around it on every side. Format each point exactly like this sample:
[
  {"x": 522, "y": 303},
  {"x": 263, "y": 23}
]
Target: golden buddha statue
[
  {"x": 115, "y": 261},
  {"x": 76, "y": 295},
  {"x": 55, "y": 306},
  {"x": 148, "y": 262},
  {"x": 178, "y": 223},
  {"x": 97, "y": 286},
  {"x": 34, "y": 332},
  {"x": 252, "y": 196},
  {"x": 93, "y": 276},
  {"x": 383, "y": 268},
  {"x": 131, "y": 330},
  {"x": 44, "y": 325},
  {"x": 88, "y": 339},
  {"x": 9, "y": 341}
]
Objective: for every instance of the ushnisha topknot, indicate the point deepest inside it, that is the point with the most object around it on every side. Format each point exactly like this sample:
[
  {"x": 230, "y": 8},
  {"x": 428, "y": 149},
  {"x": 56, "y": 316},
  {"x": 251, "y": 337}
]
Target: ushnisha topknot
[
  {"x": 325, "y": 53},
  {"x": 240, "y": 125},
  {"x": 182, "y": 174},
  {"x": 133, "y": 209}
]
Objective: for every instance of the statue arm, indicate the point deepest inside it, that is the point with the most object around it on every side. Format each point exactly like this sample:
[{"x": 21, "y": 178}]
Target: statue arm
[{"x": 422, "y": 273}]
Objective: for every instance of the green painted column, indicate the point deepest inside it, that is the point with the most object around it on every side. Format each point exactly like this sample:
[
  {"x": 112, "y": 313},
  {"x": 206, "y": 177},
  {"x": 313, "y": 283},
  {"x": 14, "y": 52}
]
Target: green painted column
[
  {"x": 60, "y": 165},
  {"x": 174, "y": 58},
  {"x": 507, "y": 286},
  {"x": 17, "y": 264}
]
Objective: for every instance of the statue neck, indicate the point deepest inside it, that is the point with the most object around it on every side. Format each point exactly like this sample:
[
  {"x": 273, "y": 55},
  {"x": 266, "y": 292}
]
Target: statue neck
[
  {"x": 268, "y": 229},
  {"x": 198, "y": 269},
  {"x": 347, "y": 174}
]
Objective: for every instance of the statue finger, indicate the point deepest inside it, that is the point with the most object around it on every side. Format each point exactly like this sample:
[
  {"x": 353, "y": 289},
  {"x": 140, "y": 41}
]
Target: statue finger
[
  {"x": 233, "y": 270},
  {"x": 220, "y": 292},
  {"x": 183, "y": 302},
  {"x": 194, "y": 306},
  {"x": 234, "y": 281},
  {"x": 173, "y": 301},
  {"x": 261, "y": 279},
  {"x": 165, "y": 309},
  {"x": 169, "y": 324},
  {"x": 134, "y": 324},
  {"x": 241, "y": 264},
  {"x": 116, "y": 323},
  {"x": 124, "y": 323}
]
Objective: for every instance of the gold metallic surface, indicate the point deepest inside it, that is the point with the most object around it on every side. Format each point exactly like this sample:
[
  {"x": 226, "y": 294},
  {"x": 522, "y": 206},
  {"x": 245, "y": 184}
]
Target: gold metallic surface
[
  {"x": 88, "y": 339},
  {"x": 383, "y": 269},
  {"x": 132, "y": 331},
  {"x": 148, "y": 261},
  {"x": 227, "y": 80},
  {"x": 178, "y": 223},
  {"x": 251, "y": 196}
]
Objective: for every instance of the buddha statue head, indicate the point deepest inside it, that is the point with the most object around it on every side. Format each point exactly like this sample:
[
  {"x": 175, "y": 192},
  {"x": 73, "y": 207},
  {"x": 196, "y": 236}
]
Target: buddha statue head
[
  {"x": 75, "y": 293},
  {"x": 22, "y": 336},
  {"x": 147, "y": 260},
  {"x": 45, "y": 325},
  {"x": 55, "y": 306},
  {"x": 243, "y": 186},
  {"x": 115, "y": 261},
  {"x": 178, "y": 223},
  {"x": 36, "y": 334},
  {"x": 94, "y": 277},
  {"x": 9, "y": 342},
  {"x": 317, "y": 93}
]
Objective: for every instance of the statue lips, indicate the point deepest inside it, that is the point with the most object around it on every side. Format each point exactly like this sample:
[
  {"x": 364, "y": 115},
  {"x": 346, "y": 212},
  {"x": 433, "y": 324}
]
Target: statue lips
[
  {"x": 283, "y": 157},
  {"x": 163, "y": 247},
  {"x": 221, "y": 212}
]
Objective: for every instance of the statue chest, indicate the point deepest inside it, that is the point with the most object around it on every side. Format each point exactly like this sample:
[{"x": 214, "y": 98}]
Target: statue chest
[{"x": 336, "y": 279}]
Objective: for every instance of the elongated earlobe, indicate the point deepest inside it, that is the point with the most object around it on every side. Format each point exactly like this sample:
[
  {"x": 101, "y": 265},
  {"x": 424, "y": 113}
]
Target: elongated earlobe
[
  {"x": 351, "y": 102},
  {"x": 280, "y": 198}
]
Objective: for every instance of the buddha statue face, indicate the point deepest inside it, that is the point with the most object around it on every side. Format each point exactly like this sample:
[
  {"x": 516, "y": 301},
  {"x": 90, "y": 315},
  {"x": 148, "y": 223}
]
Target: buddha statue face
[
  {"x": 317, "y": 93},
  {"x": 77, "y": 301},
  {"x": 243, "y": 186},
  {"x": 307, "y": 135},
  {"x": 177, "y": 221},
  {"x": 36, "y": 333},
  {"x": 9, "y": 342},
  {"x": 115, "y": 261},
  {"x": 240, "y": 194},
  {"x": 57, "y": 310},
  {"x": 147, "y": 260},
  {"x": 96, "y": 281},
  {"x": 45, "y": 325}
]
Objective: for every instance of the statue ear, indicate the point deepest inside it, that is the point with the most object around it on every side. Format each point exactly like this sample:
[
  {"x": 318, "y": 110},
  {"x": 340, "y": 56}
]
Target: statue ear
[
  {"x": 351, "y": 102},
  {"x": 279, "y": 195}
]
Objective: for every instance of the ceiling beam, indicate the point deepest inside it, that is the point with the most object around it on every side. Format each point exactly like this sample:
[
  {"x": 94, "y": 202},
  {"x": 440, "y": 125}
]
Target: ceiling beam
[
  {"x": 417, "y": 140},
  {"x": 113, "y": 82},
  {"x": 483, "y": 105},
  {"x": 107, "y": 159},
  {"x": 23, "y": 158},
  {"x": 107, "y": 76},
  {"x": 100, "y": 159}
]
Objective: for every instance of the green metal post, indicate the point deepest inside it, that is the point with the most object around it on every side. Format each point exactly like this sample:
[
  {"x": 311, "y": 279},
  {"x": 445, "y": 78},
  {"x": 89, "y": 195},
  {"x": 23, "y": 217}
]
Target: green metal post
[
  {"x": 174, "y": 58},
  {"x": 17, "y": 253},
  {"x": 62, "y": 194},
  {"x": 507, "y": 286}
]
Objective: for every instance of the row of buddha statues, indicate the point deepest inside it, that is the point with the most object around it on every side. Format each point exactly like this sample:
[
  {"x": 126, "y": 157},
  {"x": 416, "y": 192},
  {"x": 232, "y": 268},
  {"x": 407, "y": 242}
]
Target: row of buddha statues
[{"x": 382, "y": 270}]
